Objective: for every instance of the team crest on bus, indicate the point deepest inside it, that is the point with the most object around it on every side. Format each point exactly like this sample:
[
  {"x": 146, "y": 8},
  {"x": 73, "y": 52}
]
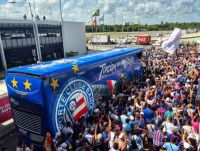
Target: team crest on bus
[{"x": 75, "y": 100}]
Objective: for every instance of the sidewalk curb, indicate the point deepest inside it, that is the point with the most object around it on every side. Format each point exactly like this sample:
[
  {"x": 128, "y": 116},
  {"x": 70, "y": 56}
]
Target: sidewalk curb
[{"x": 7, "y": 130}]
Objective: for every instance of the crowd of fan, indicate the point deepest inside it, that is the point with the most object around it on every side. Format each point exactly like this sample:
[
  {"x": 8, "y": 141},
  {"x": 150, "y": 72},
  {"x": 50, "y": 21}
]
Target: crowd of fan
[
  {"x": 154, "y": 112},
  {"x": 157, "y": 111}
]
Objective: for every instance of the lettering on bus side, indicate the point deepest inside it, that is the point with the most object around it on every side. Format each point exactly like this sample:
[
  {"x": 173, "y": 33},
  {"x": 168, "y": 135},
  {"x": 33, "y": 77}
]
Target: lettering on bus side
[{"x": 112, "y": 67}]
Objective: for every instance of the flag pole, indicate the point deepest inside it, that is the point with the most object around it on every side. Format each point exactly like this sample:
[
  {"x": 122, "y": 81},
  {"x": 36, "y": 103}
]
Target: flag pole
[
  {"x": 96, "y": 29},
  {"x": 103, "y": 22},
  {"x": 100, "y": 27},
  {"x": 122, "y": 30},
  {"x": 92, "y": 35}
]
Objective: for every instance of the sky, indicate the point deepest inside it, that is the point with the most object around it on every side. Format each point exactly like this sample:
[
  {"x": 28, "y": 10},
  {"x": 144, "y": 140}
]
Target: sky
[{"x": 134, "y": 11}]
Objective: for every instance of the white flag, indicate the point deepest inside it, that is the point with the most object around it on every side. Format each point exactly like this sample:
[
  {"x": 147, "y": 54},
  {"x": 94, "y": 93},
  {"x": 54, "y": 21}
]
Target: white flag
[
  {"x": 171, "y": 44},
  {"x": 89, "y": 20},
  {"x": 101, "y": 18}
]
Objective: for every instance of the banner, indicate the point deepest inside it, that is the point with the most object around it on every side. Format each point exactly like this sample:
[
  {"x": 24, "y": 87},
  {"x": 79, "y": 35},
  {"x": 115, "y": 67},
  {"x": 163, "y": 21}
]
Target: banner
[
  {"x": 171, "y": 44},
  {"x": 5, "y": 110}
]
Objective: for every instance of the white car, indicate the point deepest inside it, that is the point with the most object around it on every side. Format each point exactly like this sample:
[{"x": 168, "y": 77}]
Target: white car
[{"x": 120, "y": 45}]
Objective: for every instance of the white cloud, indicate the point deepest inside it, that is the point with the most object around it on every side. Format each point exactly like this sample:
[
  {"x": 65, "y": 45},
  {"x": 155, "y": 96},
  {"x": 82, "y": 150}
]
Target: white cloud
[{"x": 81, "y": 10}]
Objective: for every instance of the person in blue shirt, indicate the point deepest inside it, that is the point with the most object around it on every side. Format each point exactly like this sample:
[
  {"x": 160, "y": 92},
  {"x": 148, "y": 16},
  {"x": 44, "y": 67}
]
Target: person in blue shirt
[
  {"x": 120, "y": 108},
  {"x": 171, "y": 146},
  {"x": 157, "y": 121},
  {"x": 148, "y": 114},
  {"x": 169, "y": 113},
  {"x": 162, "y": 104},
  {"x": 129, "y": 113},
  {"x": 123, "y": 117}
]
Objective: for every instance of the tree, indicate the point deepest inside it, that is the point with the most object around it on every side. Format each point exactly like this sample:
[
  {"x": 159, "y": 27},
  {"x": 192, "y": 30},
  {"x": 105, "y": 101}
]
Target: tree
[{"x": 134, "y": 27}]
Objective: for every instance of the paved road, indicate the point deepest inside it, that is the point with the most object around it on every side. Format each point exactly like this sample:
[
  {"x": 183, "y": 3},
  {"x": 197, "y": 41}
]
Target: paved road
[{"x": 9, "y": 141}]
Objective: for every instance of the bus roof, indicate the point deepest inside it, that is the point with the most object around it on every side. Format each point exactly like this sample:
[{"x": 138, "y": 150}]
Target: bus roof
[{"x": 46, "y": 68}]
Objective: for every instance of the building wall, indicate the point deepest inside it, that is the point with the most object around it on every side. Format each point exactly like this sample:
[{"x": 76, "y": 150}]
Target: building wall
[
  {"x": 74, "y": 38},
  {"x": 19, "y": 43}
]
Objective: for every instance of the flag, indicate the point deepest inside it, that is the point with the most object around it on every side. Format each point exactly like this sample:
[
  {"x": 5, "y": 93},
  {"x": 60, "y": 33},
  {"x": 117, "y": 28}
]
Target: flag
[
  {"x": 94, "y": 22},
  {"x": 96, "y": 13},
  {"x": 89, "y": 20},
  {"x": 101, "y": 18},
  {"x": 171, "y": 44},
  {"x": 111, "y": 85},
  {"x": 78, "y": 107}
]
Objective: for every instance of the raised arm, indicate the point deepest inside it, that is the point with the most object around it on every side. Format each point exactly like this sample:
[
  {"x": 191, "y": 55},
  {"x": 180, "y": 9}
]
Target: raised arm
[
  {"x": 101, "y": 118},
  {"x": 141, "y": 129},
  {"x": 157, "y": 117},
  {"x": 176, "y": 116},
  {"x": 124, "y": 146},
  {"x": 110, "y": 122},
  {"x": 155, "y": 93},
  {"x": 95, "y": 132},
  {"x": 183, "y": 137},
  {"x": 32, "y": 147},
  {"x": 45, "y": 142},
  {"x": 146, "y": 95},
  {"x": 55, "y": 147},
  {"x": 135, "y": 103}
]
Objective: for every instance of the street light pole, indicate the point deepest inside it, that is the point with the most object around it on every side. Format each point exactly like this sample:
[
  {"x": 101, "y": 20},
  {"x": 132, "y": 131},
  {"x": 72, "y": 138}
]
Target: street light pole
[
  {"x": 122, "y": 23},
  {"x": 34, "y": 8},
  {"x": 122, "y": 28},
  {"x": 61, "y": 16},
  {"x": 35, "y": 30},
  {"x": 139, "y": 23},
  {"x": 61, "y": 19},
  {"x": 2, "y": 54},
  {"x": 114, "y": 21}
]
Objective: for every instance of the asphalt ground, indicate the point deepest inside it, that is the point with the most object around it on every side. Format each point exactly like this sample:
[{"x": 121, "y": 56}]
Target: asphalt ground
[{"x": 8, "y": 136}]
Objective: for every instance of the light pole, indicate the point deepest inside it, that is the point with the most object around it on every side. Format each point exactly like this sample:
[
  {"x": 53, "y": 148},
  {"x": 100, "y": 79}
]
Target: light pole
[
  {"x": 114, "y": 15},
  {"x": 35, "y": 29},
  {"x": 122, "y": 23},
  {"x": 2, "y": 54},
  {"x": 61, "y": 16},
  {"x": 122, "y": 26},
  {"x": 61, "y": 20},
  {"x": 139, "y": 23}
]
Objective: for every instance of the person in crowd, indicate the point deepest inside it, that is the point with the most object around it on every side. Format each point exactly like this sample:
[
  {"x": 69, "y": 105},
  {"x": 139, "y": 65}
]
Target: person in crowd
[
  {"x": 20, "y": 146},
  {"x": 150, "y": 128},
  {"x": 4, "y": 149},
  {"x": 171, "y": 146},
  {"x": 158, "y": 138}
]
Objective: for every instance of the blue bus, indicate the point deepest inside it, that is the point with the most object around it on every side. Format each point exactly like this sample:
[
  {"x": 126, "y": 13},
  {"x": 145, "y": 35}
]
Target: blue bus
[{"x": 46, "y": 95}]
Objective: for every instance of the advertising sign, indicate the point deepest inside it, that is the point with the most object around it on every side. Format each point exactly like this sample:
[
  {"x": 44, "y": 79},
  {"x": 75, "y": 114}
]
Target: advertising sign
[{"x": 5, "y": 110}]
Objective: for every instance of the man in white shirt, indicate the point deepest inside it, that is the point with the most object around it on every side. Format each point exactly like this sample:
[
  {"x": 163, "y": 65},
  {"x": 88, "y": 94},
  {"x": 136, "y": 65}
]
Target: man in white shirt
[
  {"x": 168, "y": 126},
  {"x": 67, "y": 129}
]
